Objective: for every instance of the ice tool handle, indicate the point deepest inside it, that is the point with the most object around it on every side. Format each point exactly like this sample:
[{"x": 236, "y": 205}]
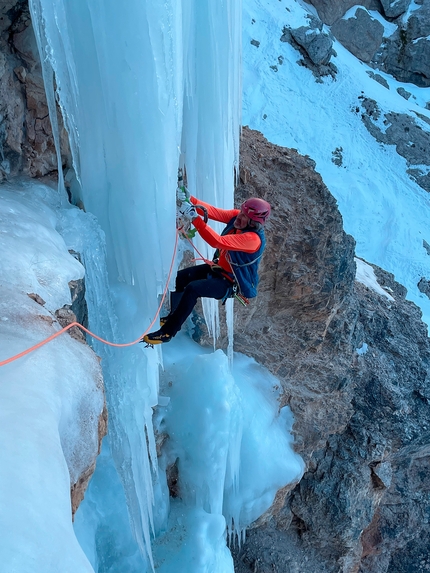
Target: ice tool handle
[{"x": 182, "y": 187}]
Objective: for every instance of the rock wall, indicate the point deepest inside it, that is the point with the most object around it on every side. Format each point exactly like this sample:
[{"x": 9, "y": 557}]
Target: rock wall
[
  {"x": 410, "y": 136},
  {"x": 26, "y": 142},
  {"x": 405, "y": 54},
  {"x": 354, "y": 368},
  {"x": 331, "y": 10},
  {"x": 306, "y": 276},
  {"x": 78, "y": 312}
]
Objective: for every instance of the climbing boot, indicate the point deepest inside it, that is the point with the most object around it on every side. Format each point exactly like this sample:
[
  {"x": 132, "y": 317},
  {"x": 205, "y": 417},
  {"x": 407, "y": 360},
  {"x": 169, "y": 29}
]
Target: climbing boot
[
  {"x": 163, "y": 320},
  {"x": 158, "y": 337}
]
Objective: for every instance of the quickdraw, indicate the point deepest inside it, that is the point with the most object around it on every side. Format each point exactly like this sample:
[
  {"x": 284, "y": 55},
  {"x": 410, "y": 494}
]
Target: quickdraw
[
  {"x": 239, "y": 296},
  {"x": 234, "y": 292}
]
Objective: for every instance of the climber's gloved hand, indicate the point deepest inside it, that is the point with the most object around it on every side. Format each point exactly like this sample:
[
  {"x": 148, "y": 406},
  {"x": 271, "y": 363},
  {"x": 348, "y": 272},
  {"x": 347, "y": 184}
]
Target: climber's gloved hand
[
  {"x": 182, "y": 194},
  {"x": 188, "y": 211}
]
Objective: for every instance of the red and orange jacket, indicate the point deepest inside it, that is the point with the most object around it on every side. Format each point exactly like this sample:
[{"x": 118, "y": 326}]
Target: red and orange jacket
[{"x": 237, "y": 240}]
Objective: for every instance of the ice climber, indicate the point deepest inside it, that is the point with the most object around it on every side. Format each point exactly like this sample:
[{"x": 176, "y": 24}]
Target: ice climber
[{"x": 235, "y": 263}]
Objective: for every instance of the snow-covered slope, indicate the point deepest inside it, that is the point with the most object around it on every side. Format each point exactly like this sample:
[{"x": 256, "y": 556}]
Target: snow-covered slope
[{"x": 383, "y": 209}]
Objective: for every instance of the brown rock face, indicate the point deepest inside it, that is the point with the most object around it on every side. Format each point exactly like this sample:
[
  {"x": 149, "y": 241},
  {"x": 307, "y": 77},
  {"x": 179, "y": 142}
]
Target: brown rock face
[
  {"x": 25, "y": 129},
  {"x": 362, "y": 419},
  {"x": 78, "y": 312},
  {"x": 77, "y": 490}
]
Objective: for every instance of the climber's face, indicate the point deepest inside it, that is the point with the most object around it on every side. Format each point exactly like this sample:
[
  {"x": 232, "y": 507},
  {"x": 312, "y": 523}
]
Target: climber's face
[{"x": 241, "y": 221}]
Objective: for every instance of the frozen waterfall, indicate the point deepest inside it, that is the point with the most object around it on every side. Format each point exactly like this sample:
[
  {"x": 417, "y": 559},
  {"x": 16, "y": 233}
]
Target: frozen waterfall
[{"x": 144, "y": 89}]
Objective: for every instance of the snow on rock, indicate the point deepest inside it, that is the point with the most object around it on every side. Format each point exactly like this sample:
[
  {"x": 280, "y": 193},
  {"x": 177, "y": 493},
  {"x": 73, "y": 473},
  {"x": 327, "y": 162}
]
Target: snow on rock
[
  {"x": 35, "y": 258},
  {"x": 360, "y": 33},
  {"x": 51, "y": 399},
  {"x": 366, "y": 275}
]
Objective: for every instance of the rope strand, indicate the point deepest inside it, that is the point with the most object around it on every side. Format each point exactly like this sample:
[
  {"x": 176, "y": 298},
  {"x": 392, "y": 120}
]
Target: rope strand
[{"x": 72, "y": 324}]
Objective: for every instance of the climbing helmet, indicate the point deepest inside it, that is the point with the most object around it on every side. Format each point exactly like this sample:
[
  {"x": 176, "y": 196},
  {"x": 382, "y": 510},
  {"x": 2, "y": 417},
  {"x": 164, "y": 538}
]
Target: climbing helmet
[{"x": 256, "y": 209}]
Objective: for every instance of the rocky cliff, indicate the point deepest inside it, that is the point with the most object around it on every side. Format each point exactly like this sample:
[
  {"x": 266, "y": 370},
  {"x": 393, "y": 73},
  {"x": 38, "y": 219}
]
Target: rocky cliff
[
  {"x": 26, "y": 141},
  {"x": 391, "y": 34},
  {"x": 354, "y": 368}
]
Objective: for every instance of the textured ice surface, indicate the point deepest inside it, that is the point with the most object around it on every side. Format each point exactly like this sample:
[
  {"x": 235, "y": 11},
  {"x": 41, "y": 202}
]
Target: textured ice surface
[{"x": 51, "y": 399}]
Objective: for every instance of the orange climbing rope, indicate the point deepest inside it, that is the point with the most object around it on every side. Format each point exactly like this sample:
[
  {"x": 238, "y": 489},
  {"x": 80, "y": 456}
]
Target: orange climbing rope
[
  {"x": 202, "y": 258},
  {"x": 63, "y": 330}
]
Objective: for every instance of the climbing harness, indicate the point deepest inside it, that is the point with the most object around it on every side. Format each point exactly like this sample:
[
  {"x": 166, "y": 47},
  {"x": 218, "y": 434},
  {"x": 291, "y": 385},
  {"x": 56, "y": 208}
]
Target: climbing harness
[
  {"x": 239, "y": 296},
  {"x": 234, "y": 290}
]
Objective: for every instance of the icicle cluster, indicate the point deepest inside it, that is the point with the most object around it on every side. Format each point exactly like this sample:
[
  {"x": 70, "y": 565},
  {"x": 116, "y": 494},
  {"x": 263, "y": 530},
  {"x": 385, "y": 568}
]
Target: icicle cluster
[{"x": 142, "y": 90}]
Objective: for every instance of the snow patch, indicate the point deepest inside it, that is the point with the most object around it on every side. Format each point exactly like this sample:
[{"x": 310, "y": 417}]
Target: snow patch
[
  {"x": 366, "y": 275},
  {"x": 389, "y": 27},
  {"x": 362, "y": 350},
  {"x": 35, "y": 258},
  {"x": 413, "y": 6}
]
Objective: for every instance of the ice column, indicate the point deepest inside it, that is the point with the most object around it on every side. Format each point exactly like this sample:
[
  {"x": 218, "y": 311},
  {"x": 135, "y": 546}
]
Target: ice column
[
  {"x": 143, "y": 88},
  {"x": 212, "y": 107}
]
